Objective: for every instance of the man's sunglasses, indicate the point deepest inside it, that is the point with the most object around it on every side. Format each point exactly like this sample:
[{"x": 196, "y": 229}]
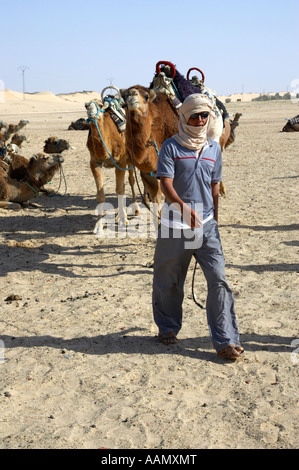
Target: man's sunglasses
[{"x": 202, "y": 115}]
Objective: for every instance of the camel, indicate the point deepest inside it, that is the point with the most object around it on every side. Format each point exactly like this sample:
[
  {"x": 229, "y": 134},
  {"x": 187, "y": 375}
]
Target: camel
[
  {"x": 18, "y": 139},
  {"x": 231, "y": 138},
  {"x": 39, "y": 172},
  {"x": 16, "y": 165},
  {"x": 106, "y": 145},
  {"x": 55, "y": 145},
  {"x": 10, "y": 129},
  {"x": 292, "y": 125},
  {"x": 13, "y": 147},
  {"x": 10, "y": 132},
  {"x": 150, "y": 121},
  {"x": 79, "y": 125}
]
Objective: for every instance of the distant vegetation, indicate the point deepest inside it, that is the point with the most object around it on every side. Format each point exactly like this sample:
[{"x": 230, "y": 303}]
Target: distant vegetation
[{"x": 277, "y": 96}]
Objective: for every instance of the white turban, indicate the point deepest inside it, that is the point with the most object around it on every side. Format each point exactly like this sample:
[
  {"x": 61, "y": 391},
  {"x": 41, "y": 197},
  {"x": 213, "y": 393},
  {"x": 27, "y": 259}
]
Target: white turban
[{"x": 194, "y": 137}]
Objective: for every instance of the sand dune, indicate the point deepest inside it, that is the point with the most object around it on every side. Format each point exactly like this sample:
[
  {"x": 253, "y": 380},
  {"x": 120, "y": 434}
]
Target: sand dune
[{"x": 81, "y": 97}]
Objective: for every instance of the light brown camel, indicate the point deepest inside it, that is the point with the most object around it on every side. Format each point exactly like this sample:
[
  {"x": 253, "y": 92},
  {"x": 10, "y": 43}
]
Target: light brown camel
[
  {"x": 39, "y": 172},
  {"x": 106, "y": 145},
  {"x": 150, "y": 120}
]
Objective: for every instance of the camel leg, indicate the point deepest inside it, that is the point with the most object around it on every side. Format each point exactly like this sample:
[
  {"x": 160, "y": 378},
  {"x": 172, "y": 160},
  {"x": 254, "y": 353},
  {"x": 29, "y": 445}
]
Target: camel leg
[
  {"x": 96, "y": 169},
  {"x": 99, "y": 181},
  {"x": 10, "y": 205},
  {"x": 152, "y": 186},
  {"x": 136, "y": 209},
  {"x": 120, "y": 191},
  {"x": 222, "y": 189},
  {"x": 223, "y": 140}
]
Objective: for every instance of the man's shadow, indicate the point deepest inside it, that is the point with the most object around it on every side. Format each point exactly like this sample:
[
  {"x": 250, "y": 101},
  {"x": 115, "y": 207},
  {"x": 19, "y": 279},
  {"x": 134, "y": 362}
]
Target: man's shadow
[{"x": 126, "y": 341}]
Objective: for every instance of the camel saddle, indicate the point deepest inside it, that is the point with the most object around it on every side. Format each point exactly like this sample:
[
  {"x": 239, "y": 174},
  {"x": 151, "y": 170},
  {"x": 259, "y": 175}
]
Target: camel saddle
[
  {"x": 176, "y": 87},
  {"x": 118, "y": 114},
  {"x": 294, "y": 120},
  {"x": 115, "y": 104}
]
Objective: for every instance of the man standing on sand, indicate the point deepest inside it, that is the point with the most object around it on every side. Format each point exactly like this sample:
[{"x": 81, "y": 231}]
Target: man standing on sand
[{"x": 190, "y": 168}]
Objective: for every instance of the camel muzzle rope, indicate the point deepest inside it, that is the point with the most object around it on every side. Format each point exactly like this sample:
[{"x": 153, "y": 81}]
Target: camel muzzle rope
[{"x": 62, "y": 176}]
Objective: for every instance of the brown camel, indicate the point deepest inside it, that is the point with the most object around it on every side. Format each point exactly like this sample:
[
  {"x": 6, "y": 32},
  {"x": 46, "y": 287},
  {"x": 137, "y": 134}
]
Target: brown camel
[
  {"x": 226, "y": 142},
  {"x": 292, "y": 125},
  {"x": 13, "y": 128},
  {"x": 39, "y": 172},
  {"x": 16, "y": 165},
  {"x": 150, "y": 120},
  {"x": 13, "y": 147},
  {"x": 79, "y": 125},
  {"x": 106, "y": 145},
  {"x": 55, "y": 145},
  {"x": 18, "y": 139},
  {"x": 6, "y": 130}
]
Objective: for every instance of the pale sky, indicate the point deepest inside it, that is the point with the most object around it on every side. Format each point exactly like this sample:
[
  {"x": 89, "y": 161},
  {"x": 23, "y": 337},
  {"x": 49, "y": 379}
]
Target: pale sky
[{"x": 76, "y": 45}]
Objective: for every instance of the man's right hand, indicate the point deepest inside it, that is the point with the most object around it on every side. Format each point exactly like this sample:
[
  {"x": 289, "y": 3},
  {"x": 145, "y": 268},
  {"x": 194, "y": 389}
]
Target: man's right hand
[{"x": 191, "y": 217}]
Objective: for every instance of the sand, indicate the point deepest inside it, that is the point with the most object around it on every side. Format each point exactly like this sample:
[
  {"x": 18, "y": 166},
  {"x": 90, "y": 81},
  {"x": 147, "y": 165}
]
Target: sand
[{"x": 80, "y": 363}]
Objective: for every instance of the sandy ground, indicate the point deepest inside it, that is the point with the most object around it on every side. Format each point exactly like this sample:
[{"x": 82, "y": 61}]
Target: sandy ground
[{"x": 81, "y": 366}]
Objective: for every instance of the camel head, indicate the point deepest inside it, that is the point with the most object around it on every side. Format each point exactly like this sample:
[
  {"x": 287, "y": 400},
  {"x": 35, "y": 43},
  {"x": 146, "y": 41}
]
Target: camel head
[
  {"x": 13, "y": 149},
  {"x": 55, "y": 145},
  {"x": 22, "y": 123},
  {"x": 18, "y": 139},
  {"x": 95, "y": 108},
  {"x": 12, "y": 128},
  {"x": 42, "y": 167},
  {"x": 137, "y": 98},
  {"x": 44, "y": 161}
]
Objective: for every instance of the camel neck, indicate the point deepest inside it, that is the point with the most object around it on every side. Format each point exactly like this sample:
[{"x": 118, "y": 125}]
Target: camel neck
[{"x": 33, "y": 189}]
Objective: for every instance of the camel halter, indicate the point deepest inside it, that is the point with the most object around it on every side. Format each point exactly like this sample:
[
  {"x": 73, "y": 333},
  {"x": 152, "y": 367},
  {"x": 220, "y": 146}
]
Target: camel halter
[{"x": 34, "y": 190}]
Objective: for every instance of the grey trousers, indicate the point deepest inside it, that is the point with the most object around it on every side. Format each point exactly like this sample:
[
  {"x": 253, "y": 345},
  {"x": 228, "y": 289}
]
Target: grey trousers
[{"x": 171, "y": 264}]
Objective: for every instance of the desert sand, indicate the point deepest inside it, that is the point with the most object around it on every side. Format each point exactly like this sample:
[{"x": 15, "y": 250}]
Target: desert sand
[{"x": 81, "y": 366}]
